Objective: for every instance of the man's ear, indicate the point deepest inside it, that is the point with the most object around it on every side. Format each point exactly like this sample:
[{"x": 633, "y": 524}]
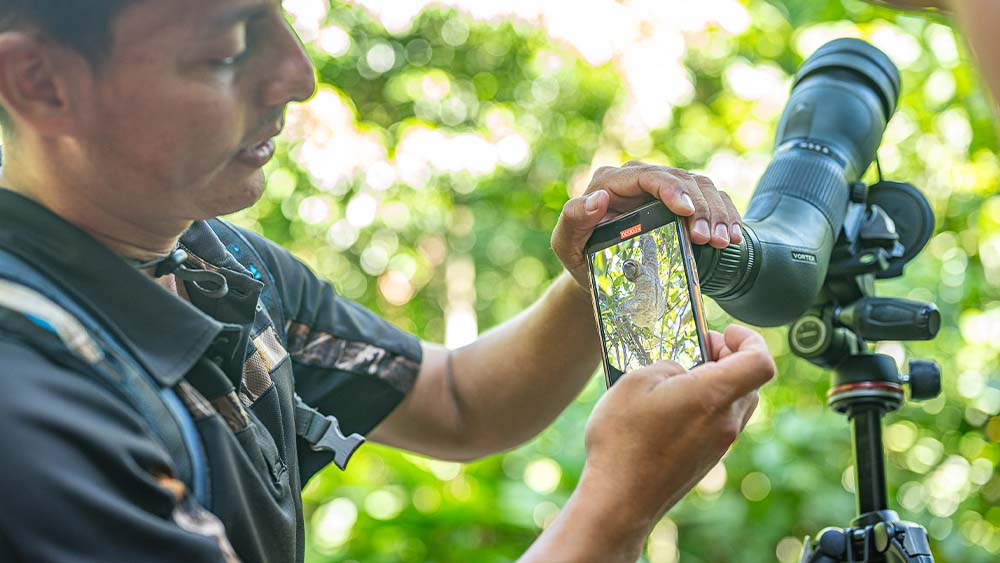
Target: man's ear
[{"x": 34, "y": 84}]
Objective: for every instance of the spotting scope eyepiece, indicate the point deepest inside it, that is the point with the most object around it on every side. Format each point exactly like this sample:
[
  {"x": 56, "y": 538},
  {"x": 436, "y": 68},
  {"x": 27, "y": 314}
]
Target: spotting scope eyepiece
[{"x": 841, "y": 100}]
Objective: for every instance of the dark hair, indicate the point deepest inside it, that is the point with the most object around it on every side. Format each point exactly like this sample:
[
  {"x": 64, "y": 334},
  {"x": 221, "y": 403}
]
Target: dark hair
[{"x": 82, "y": 25}]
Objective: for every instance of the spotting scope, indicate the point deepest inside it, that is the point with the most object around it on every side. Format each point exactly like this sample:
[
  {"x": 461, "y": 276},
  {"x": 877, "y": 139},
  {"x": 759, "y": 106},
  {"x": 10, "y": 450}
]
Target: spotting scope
[
  {"x": 816, "y": 239},
  {"x": 841, "y": 100}
]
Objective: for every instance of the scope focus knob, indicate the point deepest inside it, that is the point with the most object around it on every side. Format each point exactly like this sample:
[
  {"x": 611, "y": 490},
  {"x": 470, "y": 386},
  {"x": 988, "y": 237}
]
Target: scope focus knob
[
  {"x": 859, "y": 192},
  {"x": 924, "y": 380}
]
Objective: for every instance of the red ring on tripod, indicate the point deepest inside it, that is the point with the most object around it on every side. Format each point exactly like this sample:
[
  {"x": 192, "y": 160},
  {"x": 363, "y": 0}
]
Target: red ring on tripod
[{"x": 895, "y": 388}]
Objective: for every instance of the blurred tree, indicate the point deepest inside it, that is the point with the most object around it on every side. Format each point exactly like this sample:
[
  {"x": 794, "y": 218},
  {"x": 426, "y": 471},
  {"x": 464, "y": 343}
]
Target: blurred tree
[{"x": 426, "y": 175}]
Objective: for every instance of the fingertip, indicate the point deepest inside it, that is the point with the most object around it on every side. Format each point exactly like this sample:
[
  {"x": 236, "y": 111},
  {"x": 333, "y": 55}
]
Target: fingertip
[
  {"x": 685, "y": 206},
  {"x": 716, "y": 345},
  {"x": 700, "y": 233},
  {"x": 715, "y": 336},
  {"x": 722, "y": 232},
  {"x": 667, "y": 367},
  {"x": 735, "y": 334},
  {"x": 676, "y": 200},
  {"x": 720, "y": 238},
  {"x": 739, "y": 337},
  {"x": 737, "y": 328},
  {"x": 596, "y": 202},
  {"x": 604, "y": 196}
]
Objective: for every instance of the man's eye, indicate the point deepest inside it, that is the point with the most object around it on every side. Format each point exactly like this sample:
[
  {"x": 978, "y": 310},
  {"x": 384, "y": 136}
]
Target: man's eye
[{"x": 233, "y": 60}]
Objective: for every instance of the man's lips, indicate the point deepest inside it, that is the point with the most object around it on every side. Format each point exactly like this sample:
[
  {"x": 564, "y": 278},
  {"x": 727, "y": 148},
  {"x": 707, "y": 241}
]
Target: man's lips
[{"x": 257, "y": 156}]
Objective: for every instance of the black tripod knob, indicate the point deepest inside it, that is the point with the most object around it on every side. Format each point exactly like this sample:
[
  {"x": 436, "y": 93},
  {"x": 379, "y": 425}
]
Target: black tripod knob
[
  {"x": 830, "y": 547},
  {"x": 924, "y": 380},
  {"x": 833, "y": 543},
  {"x": 887, "y": 318}
]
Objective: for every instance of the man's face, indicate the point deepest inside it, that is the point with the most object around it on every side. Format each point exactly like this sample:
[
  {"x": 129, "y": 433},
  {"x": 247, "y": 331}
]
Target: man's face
[{"x": 178, "y": 123}]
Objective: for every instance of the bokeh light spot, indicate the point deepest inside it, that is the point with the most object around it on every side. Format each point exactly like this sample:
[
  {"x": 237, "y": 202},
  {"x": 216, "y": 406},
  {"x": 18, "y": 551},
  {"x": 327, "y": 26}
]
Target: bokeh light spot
[
  {"x": 755, "y": 486},
  {"x": 333, "y": 523},
  {"x": 384, "y": 504},
  {"x": 542, "y": 475}
]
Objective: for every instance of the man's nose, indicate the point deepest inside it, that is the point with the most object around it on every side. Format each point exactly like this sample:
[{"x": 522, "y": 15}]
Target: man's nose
[{"x": 292, "y": 77}]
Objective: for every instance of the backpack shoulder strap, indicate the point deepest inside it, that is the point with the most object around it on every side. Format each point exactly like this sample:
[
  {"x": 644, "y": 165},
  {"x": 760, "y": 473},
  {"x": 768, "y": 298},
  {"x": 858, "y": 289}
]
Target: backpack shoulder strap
[
  {"x": 247, "y": 254},
  {"x": 322, "y": 433},
  {"x": 42, "y": 315}
]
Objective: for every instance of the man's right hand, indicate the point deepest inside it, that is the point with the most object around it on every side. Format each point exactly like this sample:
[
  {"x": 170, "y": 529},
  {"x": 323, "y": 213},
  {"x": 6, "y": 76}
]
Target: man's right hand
[
  {"x": 659, "y": 429},
  {"x": 650, "y": 439}
]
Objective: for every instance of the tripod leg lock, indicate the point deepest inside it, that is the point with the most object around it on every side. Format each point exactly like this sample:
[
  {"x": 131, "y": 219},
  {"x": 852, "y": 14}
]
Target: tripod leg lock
[
  {"x": 895, "y": 542},
  {"x": 830, "y": 547}
]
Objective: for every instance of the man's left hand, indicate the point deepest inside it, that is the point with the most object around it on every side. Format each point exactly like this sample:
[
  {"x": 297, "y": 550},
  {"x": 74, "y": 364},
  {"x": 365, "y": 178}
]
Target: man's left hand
[{"x": 713, "y": 218}]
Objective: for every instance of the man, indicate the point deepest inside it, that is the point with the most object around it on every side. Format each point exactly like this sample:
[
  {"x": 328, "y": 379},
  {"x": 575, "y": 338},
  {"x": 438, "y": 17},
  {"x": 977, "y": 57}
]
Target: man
[{"x": 127, "y": 124}]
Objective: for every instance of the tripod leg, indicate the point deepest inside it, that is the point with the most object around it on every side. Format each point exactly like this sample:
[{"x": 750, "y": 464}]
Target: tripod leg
[
  {"x": 870, "y": 466},
  {"x": 907, "y": 543}
]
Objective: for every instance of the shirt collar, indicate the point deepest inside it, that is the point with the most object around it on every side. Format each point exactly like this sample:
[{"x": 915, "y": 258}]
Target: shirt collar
[{"x": 129, "y": 304}]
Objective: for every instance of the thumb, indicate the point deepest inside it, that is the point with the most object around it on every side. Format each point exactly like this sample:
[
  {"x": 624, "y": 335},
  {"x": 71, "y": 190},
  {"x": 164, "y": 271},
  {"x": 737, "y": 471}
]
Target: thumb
[
  {"x": 746, "y": 368},
  {"x": 585, "y": 212},
  {"x": 579, "y": 217},
  {"x": 576, "y": 223}
]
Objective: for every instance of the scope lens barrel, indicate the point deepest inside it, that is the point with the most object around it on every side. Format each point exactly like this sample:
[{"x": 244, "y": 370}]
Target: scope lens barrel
[{"x": 841, "y": 101}]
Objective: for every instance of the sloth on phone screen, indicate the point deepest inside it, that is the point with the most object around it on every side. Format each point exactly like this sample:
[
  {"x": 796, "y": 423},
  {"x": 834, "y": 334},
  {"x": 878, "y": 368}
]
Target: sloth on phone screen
[{"x": 648, "y": 302}]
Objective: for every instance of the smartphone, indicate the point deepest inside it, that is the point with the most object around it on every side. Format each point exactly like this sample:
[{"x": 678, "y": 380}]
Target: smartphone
[{"x": 647, "y": 300}]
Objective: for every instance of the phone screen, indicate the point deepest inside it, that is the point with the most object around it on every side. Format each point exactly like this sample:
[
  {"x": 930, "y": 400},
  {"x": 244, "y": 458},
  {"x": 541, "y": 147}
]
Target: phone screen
[{"x": 647, "y": 306}]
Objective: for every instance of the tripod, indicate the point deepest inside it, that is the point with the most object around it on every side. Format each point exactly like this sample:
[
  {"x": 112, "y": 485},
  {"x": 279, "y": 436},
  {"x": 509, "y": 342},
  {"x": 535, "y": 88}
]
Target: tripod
[{"x": 866, "y": 386}]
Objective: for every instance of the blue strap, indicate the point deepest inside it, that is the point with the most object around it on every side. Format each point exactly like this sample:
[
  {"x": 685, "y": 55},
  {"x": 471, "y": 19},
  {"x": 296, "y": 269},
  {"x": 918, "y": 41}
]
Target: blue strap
[
  {"x": 321, "y": 432},
  {"x": 246, "y": 254},
  {"x": 161, "y": 408}
]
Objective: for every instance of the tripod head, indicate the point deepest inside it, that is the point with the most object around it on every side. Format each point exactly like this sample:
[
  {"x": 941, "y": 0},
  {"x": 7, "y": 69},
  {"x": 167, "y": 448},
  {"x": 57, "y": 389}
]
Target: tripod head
[{"x": 835, "y": 335}]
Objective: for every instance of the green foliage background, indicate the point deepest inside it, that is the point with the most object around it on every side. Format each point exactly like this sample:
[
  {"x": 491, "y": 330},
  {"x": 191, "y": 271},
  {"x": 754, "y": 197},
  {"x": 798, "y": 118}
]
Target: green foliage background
[{"x": 788, "y": 476}]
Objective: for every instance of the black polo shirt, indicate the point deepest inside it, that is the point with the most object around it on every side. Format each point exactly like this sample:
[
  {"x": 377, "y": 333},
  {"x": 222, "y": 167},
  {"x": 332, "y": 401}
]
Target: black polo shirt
[{"x": 81, "y": 475}]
